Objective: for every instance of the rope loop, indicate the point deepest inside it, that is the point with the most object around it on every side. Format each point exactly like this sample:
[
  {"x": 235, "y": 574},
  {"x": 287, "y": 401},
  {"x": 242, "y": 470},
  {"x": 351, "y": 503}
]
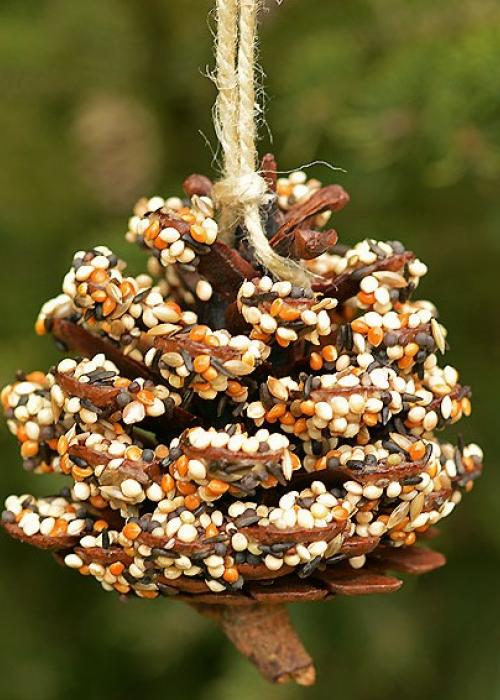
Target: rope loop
[{"x": 242, "y": 191}]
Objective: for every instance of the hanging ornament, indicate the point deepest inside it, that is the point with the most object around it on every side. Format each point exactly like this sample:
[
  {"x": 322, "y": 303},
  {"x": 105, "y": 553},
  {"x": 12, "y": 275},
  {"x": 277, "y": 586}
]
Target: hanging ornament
[{"x": 253, "y": 422}]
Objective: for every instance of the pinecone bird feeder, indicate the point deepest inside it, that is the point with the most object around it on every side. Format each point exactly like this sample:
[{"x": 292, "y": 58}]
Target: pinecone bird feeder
[{"x": 254, "y": 421}]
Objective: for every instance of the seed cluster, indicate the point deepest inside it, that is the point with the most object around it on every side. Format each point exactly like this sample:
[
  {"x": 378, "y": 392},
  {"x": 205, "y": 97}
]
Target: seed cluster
[
  {"x": 92, "y": 390},
  {"x": 174, "y": 231},
  {"x": 371, "y": 252},
  {"x": 373, "y": 275},
  {"x": 405, "y": 338},
  {"x": 231, "y": 461},
  {"x": 118, "y": 470},
  {"x": 281, "y": 311},
  {"x": 357, "y": 401},
  {"x": 223, "y": 433},
  {"x": 208, "y": 362},
  {"x": 120, "y": 308},
  {"x": 51, "y": 520},
  {"x": 31, "y": 419},
  {"x": 296, "y": 189}
]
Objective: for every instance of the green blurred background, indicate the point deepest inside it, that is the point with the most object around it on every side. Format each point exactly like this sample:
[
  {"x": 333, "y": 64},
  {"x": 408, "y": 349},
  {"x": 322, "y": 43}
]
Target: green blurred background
[{"x": 105, "y": 100}]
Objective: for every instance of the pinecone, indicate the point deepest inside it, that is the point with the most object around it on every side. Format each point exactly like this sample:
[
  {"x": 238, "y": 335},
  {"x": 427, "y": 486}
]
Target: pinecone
[{"x": 234, "y": 441}]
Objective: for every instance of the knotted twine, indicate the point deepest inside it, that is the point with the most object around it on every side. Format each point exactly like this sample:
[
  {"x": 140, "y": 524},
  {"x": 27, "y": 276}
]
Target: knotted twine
[{"x": 242, "y": 191}]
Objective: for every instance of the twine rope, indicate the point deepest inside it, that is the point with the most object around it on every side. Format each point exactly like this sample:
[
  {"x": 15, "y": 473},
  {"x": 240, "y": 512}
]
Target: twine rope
[{"x": 242, "y": 191}]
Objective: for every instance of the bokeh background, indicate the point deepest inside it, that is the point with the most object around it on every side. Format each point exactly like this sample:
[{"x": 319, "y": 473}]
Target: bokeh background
[{"x": 105, "y": 100}]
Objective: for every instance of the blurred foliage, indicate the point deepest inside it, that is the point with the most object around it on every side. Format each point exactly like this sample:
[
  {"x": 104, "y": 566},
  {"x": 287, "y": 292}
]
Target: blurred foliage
[{"x": 103, "y": 101}]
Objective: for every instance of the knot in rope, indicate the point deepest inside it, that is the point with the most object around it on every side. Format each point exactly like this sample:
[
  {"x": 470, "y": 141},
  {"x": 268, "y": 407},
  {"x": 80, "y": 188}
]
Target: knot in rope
[{"x": 241, "y": 191}]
